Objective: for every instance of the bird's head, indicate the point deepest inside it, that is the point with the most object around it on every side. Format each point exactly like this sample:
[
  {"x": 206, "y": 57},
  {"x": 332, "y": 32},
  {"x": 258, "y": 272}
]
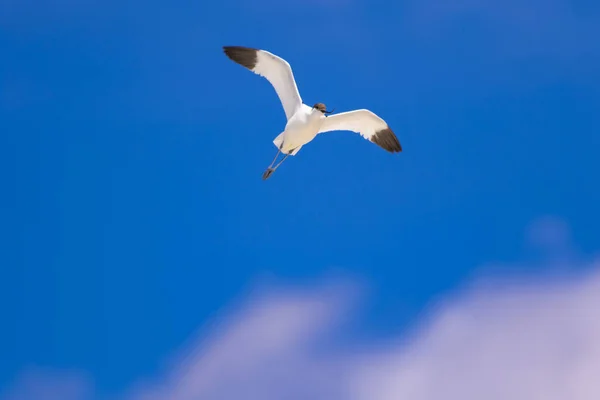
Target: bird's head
[{"x": 321, "y": 107}]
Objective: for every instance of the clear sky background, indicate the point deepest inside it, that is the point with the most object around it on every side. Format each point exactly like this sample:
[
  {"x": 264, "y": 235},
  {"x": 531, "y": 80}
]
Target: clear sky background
[{"x": 133, "y": 215}]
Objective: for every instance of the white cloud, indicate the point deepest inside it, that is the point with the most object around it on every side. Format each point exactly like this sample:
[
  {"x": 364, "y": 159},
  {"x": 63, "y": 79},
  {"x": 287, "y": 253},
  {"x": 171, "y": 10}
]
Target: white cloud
[
  {"x": 264, "y": 350},
  {"x": 526, "y": 338},
  {"x": 514, "y": 341}
]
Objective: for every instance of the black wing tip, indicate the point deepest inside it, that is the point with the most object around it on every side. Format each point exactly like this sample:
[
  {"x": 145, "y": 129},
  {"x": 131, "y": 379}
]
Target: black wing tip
[
  {"x": 386, "y": 139},
  {"x": 245, "y": 56}
]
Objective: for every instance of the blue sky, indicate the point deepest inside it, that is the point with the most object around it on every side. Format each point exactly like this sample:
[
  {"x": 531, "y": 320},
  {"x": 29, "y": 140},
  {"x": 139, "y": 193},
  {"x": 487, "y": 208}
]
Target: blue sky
[{"x": 133, "y": 213}]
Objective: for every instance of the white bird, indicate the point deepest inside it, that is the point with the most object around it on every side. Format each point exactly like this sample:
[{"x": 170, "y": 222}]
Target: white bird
[{"x": 304, "y": 123}]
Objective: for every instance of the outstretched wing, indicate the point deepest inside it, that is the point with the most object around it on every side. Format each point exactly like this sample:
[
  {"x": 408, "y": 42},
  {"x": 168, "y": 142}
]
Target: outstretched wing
[
  {"x": 275, "y": 69},
  {"x": 368, "y": 124}
]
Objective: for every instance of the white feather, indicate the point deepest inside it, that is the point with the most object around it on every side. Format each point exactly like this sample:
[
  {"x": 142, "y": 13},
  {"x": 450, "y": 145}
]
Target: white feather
[
  {"x": 279, "y": 73},
  {"x": 364, "y": 122}
]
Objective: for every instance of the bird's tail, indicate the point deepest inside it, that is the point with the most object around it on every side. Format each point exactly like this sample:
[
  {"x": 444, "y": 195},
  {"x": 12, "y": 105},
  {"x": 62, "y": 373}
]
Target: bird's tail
[{"x": 278, "y": 141}]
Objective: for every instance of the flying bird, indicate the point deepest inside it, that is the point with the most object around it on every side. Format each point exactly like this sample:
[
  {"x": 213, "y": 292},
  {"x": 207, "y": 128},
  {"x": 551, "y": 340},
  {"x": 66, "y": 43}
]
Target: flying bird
[{"x": 304, "y": 123}]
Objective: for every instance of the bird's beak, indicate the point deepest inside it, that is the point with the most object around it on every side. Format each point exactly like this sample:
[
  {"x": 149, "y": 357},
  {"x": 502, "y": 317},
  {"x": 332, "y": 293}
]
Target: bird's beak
[{"x": 328, "y": 112}]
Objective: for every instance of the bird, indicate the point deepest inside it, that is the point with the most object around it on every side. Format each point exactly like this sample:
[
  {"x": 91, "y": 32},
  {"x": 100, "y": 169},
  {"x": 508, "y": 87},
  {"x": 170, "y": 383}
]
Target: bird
[{"x": 304, "y": 122}]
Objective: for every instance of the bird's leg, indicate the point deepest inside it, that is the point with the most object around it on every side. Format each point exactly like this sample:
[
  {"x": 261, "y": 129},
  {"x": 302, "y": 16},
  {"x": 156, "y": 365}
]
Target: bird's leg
[
  {"x": 276, "y": 155},
  {"x": 282, "y": 160},
  {"x": 272, "y": 169}
]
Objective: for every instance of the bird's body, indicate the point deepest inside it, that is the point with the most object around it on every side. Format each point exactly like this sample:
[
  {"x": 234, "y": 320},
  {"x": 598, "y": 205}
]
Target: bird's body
[
  {"x": 300, "y": 129},
  {"x": 304, "y": 123}
]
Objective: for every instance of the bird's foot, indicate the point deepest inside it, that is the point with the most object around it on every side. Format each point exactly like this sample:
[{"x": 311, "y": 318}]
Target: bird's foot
[{"x": 268, "y": 173}]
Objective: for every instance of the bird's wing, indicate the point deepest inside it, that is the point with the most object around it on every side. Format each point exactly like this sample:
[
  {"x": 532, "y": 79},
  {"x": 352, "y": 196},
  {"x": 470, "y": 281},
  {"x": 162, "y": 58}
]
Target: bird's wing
[
  {"x": 368, "y": 124},
  {"x": 275, "y": 69}
]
